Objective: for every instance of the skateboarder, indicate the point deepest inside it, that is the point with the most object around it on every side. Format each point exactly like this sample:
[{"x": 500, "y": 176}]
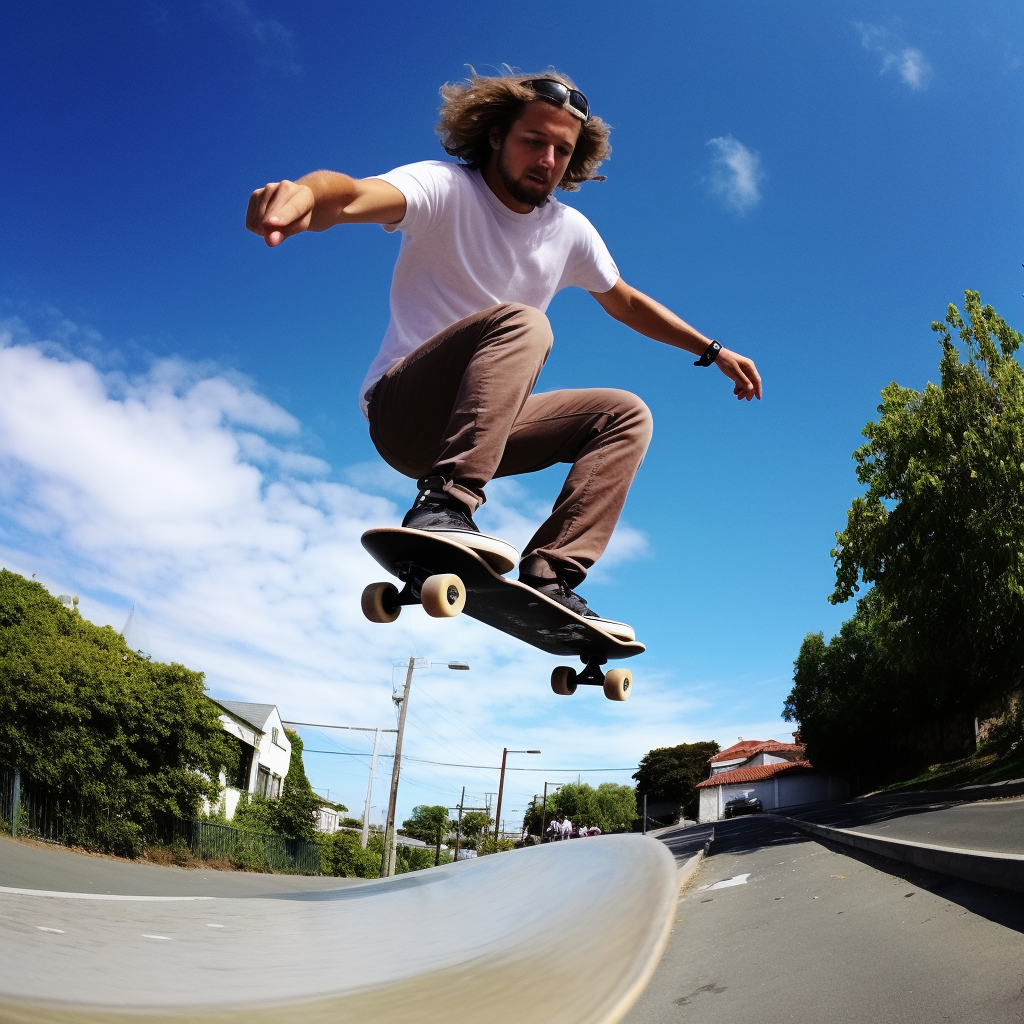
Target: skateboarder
[{"x": 485, "y": 247}]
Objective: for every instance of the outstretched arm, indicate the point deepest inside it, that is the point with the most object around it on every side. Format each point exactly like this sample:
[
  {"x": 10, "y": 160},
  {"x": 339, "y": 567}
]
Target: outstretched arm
[
  {"x": 318, "y": 201},
  {"x": 652, "y": 319}
]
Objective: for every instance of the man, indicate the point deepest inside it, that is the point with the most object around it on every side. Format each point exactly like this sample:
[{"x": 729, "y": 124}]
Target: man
[{"x": 485, "y": 247}]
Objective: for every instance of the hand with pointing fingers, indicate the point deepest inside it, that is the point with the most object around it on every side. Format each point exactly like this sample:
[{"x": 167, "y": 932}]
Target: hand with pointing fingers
[{"x": 278, "y": 210}]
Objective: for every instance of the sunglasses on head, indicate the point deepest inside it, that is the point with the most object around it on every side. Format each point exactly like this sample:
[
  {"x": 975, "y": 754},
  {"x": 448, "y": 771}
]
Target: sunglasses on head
[{"x": 562, "y": 96}]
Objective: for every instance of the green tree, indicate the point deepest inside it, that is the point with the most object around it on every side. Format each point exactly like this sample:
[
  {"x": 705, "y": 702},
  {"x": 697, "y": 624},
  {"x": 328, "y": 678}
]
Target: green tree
[
  {"x": 938, "y": 537},
  {"x": 294, "y": 813},
  {"x": 430, "y": 825},
  {"x": 126, "y": 739},
  {"x": 671, "y": 774},
  {"x": 611, "y": 807},
  {"x": 474, "y": 824},
  {"x": 342, "y": 855}
]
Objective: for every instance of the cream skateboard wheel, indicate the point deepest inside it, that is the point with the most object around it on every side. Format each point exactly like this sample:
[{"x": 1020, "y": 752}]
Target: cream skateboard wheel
[
  {"x": 563, "y": 680},
  {"x": 380, "y": 602},
  {"x": 618, "y": 684},
  {"x": 443, "y": 596}
]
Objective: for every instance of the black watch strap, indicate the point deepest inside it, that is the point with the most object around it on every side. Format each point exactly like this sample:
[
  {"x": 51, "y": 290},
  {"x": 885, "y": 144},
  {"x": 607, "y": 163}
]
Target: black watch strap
[{"x": 710, "y": 355}]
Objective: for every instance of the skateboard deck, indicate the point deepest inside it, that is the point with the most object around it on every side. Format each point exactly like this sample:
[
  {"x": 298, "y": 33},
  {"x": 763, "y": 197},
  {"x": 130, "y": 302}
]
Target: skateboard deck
[{"x": 434, "y": 569}]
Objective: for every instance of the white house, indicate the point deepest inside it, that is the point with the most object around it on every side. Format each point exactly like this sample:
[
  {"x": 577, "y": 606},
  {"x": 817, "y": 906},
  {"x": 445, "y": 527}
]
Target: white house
[
  {"x": 265, "y": 751},
  {"x": 776, "y": 773}
]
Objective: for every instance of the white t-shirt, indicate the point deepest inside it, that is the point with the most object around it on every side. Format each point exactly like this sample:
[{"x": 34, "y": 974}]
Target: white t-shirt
[{"x": 464, "y": 250}]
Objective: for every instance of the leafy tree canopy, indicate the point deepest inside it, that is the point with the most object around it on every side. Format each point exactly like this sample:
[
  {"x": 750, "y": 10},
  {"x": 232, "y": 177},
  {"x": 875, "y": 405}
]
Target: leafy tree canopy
[
  {"x": 611, "y": 807},
  {"x": 671, "y": 774},
  {"x": 91, "y": 719},
  {"x": 939, "y": 531},
  {"x": 938, "y": 536},
  {"x": 293, "y": 814},
  {"x": 428, "y": 824}
]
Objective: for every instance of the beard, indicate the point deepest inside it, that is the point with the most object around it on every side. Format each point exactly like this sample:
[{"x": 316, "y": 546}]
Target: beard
[{"x": 521, "y": 190}]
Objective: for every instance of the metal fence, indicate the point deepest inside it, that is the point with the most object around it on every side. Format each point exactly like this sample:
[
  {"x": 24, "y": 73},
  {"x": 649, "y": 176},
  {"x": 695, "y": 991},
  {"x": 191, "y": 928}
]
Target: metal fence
[
  {"x": 252, "y": 850},
  {"x": 27, "y": 808}
]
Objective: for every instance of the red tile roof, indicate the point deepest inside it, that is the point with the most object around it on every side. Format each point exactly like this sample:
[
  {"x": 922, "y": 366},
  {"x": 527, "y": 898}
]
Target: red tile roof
[
  {"x": 748, "y": 748},
  {"x": 753, "y": 774}
]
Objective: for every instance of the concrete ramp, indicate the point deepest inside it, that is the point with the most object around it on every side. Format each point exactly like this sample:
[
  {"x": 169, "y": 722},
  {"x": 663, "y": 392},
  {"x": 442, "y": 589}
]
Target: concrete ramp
[{"x": 566, "y": 932}]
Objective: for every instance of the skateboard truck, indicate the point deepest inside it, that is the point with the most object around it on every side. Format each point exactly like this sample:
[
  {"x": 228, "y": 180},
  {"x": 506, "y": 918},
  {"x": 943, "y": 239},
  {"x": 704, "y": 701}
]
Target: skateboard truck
[{"x": 592, "y": 674}]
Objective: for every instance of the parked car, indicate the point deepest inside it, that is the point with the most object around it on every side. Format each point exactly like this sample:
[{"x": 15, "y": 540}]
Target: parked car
[{"x": 743, "y": 805}]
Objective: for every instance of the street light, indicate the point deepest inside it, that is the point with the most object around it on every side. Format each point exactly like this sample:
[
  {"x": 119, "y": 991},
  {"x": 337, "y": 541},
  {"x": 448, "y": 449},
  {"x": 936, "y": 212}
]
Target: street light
[
  {"x": 501, "y": 785},
  {"x": 387, "y": 860}
]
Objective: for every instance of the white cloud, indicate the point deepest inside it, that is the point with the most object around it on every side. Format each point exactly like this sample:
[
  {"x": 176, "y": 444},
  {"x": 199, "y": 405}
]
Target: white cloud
[
  {"x": 735, "y": 173},
  {"x": 180, "y": 491},
  {"x": 908, "y": 61}
]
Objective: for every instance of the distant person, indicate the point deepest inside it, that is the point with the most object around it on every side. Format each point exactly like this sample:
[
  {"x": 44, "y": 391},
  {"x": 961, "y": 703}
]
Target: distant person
[
  {"x": 566, "y": 828},
  {"x": 583, "y": 832},
  {"x": 594, "y": 830},
  {"x": 485, "y": 247},
  {"x": 554, "y": 831}
]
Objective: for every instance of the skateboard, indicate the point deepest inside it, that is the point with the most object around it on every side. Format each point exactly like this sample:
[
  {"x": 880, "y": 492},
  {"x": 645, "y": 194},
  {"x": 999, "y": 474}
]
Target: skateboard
[{"x": 447, "y": 578}]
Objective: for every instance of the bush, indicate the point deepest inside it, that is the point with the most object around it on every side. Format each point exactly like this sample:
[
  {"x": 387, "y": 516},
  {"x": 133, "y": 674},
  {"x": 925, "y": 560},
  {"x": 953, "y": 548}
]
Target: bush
[
  {"x": 88, "y": 719},
  {"x": 341, "y": 855}
]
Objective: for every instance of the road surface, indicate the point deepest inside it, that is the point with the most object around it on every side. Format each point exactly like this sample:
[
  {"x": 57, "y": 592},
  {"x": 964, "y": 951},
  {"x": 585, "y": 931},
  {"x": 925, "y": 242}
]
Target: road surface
[
  {"x": 566, "y": 932},
  {"x": 775, "y": 927}
]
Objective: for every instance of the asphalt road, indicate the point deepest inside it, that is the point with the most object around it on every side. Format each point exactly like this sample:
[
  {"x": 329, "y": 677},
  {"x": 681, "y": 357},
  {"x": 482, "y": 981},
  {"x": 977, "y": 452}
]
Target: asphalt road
[
  {"x": 810, "y": 934},
  {"x": 41, "y": 866},
  {"x": 996, "y": 826}
]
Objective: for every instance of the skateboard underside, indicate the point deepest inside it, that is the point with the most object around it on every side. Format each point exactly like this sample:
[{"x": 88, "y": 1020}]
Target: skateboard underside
[{"x": 505, "y": 604}]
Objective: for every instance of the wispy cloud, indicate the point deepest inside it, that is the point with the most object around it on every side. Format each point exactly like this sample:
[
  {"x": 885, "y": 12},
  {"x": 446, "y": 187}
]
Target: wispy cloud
[
  {"x": 735, "y": 173},
  {"x": 275, "y": 43},
  {"x": 907, "y": 61},
  {"x": 182, "y": 491}
]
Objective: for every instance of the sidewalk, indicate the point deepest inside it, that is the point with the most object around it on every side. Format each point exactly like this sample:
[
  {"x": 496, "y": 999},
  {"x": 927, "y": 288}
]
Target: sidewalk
[{"x": 979, "y": 840}]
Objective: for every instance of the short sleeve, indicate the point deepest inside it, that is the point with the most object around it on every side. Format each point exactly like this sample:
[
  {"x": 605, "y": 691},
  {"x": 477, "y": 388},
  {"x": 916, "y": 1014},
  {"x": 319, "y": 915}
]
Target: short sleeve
[
  {"x": 590, "y": 265},
  {"x": 426, "y": 186}
]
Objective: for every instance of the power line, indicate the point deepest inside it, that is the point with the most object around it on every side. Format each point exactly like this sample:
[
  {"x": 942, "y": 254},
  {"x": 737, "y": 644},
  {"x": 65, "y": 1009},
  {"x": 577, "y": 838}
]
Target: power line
[{"x": 486, "y": 767}]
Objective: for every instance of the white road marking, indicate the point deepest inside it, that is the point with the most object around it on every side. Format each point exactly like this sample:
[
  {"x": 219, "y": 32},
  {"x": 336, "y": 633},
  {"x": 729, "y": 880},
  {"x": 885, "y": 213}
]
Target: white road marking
[
  {"x": 4, "y": 889},
  {"x": 57, "y": 931},
  {"x": 725, "y": 883},
  {"x": 166, "y": 938},
  {"x": 215, "y": 926}
]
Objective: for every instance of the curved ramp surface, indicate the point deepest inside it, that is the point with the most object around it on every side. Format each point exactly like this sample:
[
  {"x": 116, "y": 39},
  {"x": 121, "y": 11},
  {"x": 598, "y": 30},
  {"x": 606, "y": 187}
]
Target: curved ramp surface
[{"x": 566, "y": 932}]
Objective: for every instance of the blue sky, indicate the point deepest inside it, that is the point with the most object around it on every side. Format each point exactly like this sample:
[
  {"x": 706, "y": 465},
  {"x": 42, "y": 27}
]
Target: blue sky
[{"x": 811, "y": 184}]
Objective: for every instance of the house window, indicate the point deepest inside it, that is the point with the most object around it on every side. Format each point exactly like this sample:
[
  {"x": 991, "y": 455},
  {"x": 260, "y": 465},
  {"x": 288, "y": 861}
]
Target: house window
[
  {"x": 273, "y": 736},
  {"x": 245, "y": 756},
  {"x": 263, "y": 779},
  {"x": 275, "y": 786}
]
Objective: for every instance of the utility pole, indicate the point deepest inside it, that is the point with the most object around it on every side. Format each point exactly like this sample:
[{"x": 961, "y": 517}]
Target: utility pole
[
  {"x": 373, "y": 764},
  {"x": 365, "y": 837},
  {"x": 501, "y": 786},
  {"x": 458, "y": 827},
  {"x": 387, "y": 861}
]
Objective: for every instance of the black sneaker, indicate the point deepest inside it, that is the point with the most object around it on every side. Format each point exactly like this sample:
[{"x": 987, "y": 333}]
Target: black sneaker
[
  {"x": 439, "y": 513},
  {"x": 564, "y": 595}
]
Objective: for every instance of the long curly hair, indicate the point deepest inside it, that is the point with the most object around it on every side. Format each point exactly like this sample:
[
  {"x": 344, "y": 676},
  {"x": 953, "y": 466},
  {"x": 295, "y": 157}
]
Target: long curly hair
[{"x": 473, "y": 107}]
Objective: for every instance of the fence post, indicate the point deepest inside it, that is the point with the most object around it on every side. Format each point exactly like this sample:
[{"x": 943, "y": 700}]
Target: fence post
[{"x": 15, "y": 804}]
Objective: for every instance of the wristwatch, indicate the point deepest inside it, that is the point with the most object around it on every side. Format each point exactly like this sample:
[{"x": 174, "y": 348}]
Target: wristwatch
[{"x": 710, "y": 354}]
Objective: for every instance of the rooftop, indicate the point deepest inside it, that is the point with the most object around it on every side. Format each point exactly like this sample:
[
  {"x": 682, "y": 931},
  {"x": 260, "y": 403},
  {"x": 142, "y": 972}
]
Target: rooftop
[
  {"x": 748, "y": 748},
  {"x": 755, "y": 773},
  {"x": 255, "y": 714}
]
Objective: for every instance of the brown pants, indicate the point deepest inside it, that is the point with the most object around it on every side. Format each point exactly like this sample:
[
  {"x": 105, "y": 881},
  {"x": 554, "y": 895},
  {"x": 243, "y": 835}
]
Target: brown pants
[{"x": 459, "y": 411}]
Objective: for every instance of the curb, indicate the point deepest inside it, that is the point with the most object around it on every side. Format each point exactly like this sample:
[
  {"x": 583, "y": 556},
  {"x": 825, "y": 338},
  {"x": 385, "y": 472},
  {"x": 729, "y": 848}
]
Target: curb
[
  {"x": 962, "y": 794},
  {"x": 688, "y": 868},
  {"x": 1002, "y": 870}
]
